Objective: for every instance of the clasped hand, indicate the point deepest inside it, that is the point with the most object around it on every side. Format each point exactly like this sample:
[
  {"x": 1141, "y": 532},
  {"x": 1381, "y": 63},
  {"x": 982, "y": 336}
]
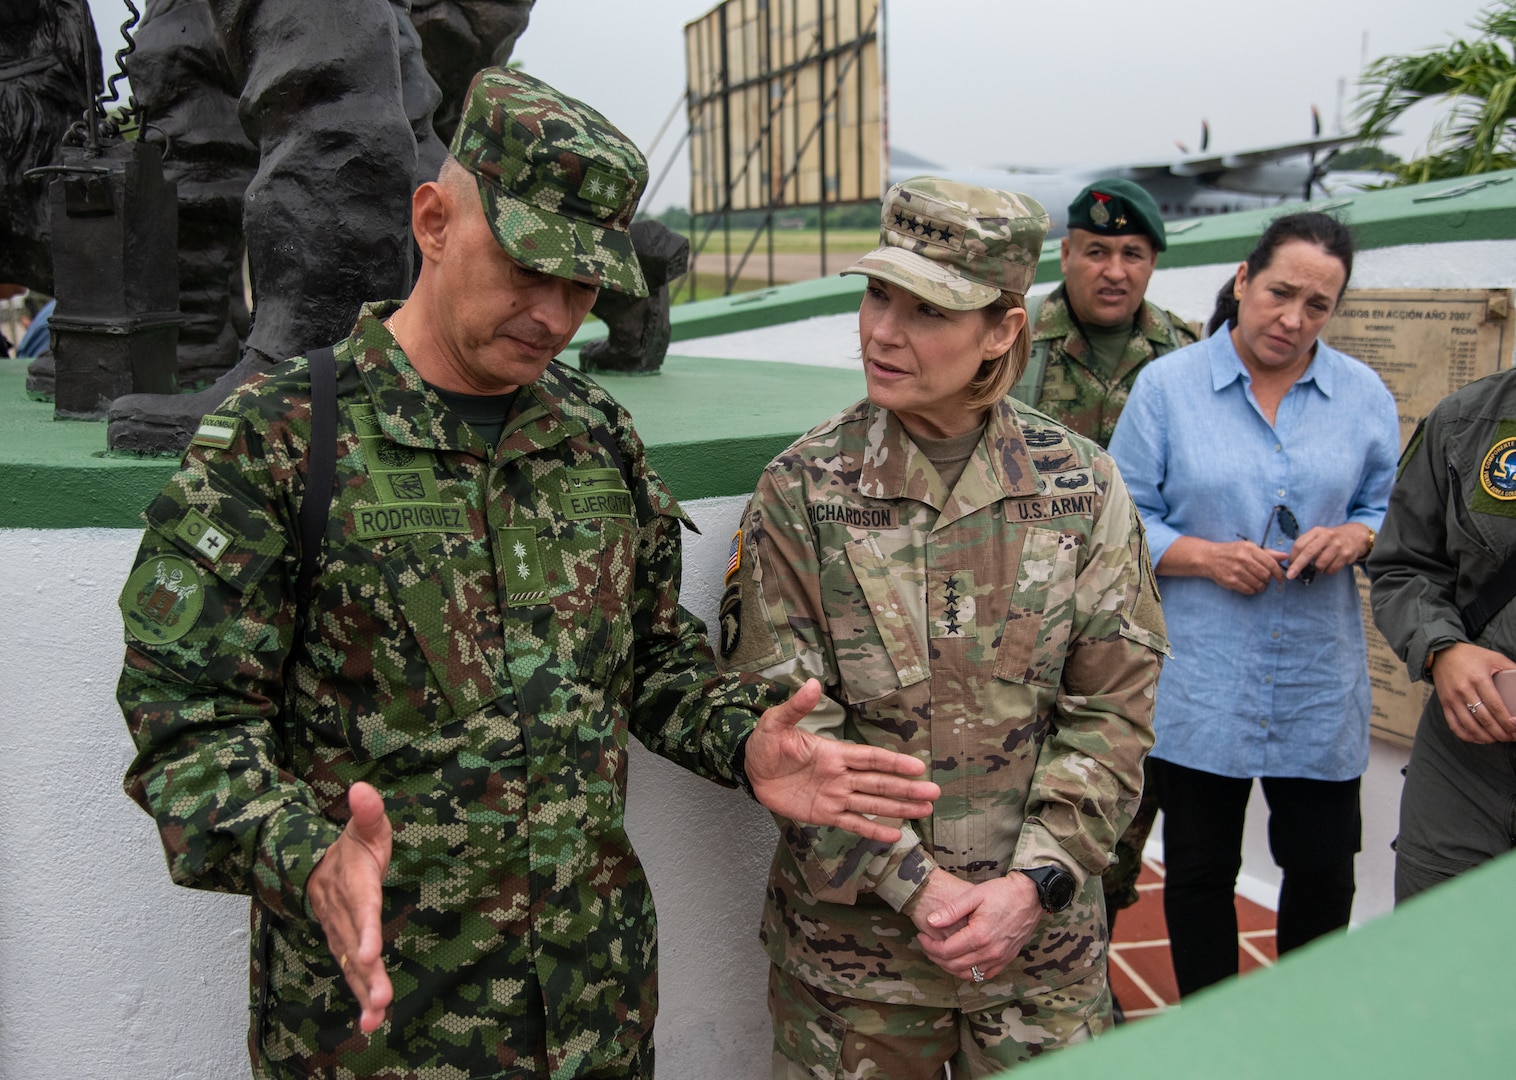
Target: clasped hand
[{"x": 965, "y": 926}]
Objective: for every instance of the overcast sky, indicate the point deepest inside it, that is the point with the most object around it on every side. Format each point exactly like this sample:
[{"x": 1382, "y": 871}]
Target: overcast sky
[{"x": 998, "y": 82}]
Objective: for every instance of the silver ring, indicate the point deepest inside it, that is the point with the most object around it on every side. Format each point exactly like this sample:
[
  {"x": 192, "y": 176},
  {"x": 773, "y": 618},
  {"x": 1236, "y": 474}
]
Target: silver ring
[
  {"x": 1474, "y": 706},
  {"x": 975, "y": 973}
]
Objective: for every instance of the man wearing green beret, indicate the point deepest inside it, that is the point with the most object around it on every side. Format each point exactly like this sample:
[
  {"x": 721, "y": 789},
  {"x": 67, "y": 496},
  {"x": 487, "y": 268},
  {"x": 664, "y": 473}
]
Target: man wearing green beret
[
  {"x": 1096, "y": 331},
  {"x": 415, "y": 763},
  {"x": 1090, "y": 338}
]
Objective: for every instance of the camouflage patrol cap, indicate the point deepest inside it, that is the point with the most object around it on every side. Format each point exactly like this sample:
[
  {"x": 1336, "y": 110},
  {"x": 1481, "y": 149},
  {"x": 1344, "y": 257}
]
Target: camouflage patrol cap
[
  {"x": 1118, "y": 208},
  {"x": 956, "y": 245},
  {"x": 558, "y": 181}
]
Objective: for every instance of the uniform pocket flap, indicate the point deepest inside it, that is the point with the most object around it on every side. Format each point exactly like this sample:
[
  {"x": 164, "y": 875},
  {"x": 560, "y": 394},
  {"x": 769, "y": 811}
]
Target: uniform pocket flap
[{"x": 236, "y": 542}]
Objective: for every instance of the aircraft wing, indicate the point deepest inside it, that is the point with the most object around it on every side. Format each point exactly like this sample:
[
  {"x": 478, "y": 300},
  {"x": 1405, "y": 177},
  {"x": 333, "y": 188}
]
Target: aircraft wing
[{"x": 1213, "y": 168}]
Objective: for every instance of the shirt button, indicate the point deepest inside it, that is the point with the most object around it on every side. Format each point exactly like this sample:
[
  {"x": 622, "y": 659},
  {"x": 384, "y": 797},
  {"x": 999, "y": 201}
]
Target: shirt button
[
  {"x": 1280, "y": 493},
  {"x": 1276, "y": 635},
  {"x": 1268, "y": 678},
  {"x": 1277, "y": 448}
]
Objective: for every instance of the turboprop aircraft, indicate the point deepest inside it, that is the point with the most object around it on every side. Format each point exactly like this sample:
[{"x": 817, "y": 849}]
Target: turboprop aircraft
[{"x": 1189, "y": 186}]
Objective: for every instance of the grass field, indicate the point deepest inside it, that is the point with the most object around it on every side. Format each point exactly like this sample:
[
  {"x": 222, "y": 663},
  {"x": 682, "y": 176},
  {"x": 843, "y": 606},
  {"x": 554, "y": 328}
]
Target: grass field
[{"x": 793, "y": 241}]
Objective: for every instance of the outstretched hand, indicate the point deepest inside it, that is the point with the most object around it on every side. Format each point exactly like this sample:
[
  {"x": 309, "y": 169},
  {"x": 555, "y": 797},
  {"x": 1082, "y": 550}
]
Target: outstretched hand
[
  {"x": 347, "y": 896},
  {"x": 820, "y": 781}
]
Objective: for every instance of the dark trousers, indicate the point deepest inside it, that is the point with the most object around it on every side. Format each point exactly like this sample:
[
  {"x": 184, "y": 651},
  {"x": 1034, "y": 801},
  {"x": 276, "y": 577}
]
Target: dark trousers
[{"x": 1314, "y": 831}]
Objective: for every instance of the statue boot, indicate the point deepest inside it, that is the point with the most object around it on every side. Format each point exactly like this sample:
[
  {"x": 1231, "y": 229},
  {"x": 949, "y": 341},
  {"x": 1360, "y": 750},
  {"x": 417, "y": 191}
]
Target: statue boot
[{"x": 327, "y": 214}]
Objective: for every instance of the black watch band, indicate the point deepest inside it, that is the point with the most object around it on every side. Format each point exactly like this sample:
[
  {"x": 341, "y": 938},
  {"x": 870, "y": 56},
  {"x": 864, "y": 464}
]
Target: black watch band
[{"x": 1055, "y": 886}]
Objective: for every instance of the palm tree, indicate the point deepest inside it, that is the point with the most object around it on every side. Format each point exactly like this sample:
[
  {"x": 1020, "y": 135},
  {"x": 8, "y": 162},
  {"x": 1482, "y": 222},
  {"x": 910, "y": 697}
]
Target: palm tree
[{"x": 1478, "y": 78}]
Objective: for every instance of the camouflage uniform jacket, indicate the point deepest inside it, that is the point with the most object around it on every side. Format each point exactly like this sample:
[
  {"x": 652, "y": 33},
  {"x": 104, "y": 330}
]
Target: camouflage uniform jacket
[
  {"x": 1074, "y": 391},
  {"x": 484, "y": 633},
  {"x": 1007, "y": 634}
]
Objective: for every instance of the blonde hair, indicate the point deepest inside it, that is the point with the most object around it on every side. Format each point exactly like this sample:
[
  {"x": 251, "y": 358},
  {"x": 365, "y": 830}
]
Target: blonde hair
[{"x": 997, "y": 376}]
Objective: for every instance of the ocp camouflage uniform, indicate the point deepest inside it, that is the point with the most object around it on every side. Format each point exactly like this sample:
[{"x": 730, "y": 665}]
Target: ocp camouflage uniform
[
  {"x": 1076, "y": 392},
  {"x": 486, "y": 630},
  {"x": 1008, "y": 635}
]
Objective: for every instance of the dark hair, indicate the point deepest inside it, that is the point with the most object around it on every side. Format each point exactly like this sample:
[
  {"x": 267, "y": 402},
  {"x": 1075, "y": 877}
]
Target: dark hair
[{"x": 1323, "y": 230}]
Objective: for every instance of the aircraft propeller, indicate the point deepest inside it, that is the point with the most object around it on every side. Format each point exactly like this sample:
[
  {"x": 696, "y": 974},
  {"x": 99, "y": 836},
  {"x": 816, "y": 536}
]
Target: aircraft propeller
[{"x": 1316, "y": 172}]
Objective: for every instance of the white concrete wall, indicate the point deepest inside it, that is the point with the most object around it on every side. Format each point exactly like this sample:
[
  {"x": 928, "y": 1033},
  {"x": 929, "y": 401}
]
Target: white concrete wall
[{"x": 108, "y": 970}]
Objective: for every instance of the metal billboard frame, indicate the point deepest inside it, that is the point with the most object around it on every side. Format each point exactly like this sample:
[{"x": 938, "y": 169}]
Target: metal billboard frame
[{"x": 751, "y": 135}]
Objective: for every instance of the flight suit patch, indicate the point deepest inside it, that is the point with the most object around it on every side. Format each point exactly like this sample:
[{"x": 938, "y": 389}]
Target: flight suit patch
[{"x": 1497, "y": 475}]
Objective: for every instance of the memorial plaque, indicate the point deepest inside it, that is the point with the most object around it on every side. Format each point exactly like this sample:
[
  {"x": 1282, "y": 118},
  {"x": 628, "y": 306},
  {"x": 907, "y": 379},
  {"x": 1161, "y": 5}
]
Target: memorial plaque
[{"x": 1424, "y": 343}]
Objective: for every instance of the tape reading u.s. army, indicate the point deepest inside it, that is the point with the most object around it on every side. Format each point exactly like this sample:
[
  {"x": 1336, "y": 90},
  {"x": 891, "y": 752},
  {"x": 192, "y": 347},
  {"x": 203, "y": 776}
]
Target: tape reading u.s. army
[
  {"x": 1043, "y": 509},
  {"x": 372, "y": 522}
]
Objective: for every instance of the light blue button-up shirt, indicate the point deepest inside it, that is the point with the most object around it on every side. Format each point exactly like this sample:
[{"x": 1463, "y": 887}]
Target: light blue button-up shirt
[{"x": 1274, "y": 684}]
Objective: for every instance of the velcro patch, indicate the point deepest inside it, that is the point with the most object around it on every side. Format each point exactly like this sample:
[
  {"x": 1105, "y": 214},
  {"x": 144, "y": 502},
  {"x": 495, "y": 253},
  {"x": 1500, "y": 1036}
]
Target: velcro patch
[
  {"x": 603, "y": 188},
  {"x": 1019, "y": 510},
  {"x": 522, "y": 565},
  {"x": 1497, "y": 475},
  {"x": 372, "y": 522},
  {"x": 595, "y": 505},
  {"x": 734, "y": 556},
  {"x": 216, "y": 431},
  {"x": 854, "y": 516},
  {"x": 204, "y": 535},
  {"x": 162, "y": 599}
]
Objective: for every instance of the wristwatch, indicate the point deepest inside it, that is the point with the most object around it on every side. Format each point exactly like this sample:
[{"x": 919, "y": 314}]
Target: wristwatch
[{"x": 1055, "y": 886}]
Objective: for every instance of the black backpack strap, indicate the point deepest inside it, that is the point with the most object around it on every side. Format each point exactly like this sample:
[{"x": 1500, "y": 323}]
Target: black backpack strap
[{"x": 320, "y": 472}]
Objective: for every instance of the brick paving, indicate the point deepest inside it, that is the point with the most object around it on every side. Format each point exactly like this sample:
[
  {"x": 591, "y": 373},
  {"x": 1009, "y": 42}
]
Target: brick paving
[{"x": 1142, "y": 975}]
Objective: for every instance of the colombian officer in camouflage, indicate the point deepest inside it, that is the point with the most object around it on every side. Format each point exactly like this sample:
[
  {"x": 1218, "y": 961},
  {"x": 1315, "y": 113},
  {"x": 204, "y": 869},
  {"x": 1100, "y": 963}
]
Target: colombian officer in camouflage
[
  {"x": 420, "y": 777},
  {"x": 1095, "y": 331},
  {"x": 968, "y": 581}
]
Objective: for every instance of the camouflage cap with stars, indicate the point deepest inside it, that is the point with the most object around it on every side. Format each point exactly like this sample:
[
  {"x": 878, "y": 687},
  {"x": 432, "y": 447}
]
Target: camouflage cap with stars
[
  {"x": 558, "y": 181},
  {"x": 955, "y": 245},
  {"x": 1118, "y": 208}
]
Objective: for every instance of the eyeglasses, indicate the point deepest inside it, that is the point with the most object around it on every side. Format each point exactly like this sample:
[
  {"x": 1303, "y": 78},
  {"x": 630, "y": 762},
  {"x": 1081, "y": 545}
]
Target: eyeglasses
[{"x": 1291, "y": 530}]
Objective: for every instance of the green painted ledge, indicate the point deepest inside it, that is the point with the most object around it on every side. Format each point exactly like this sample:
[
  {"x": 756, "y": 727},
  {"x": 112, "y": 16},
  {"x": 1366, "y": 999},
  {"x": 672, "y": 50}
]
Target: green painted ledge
[
  {"x": 1472, "y": 208},
  {"x": 1424, "y": 992},
  {"x": 710, "y": 426}
]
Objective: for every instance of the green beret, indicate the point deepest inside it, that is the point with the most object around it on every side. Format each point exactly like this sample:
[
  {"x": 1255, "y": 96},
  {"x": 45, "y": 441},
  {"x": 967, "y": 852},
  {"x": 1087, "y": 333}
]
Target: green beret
[{"x": 1117, "y": 208}]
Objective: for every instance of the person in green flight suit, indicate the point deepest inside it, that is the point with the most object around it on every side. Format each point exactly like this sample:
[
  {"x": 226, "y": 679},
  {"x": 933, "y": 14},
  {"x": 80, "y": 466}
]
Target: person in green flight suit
[{"x": 1090, "y": 338}]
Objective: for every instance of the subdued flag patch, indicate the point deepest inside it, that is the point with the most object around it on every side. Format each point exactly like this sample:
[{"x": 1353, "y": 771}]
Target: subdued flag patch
[{"x": 216, "y": 431}]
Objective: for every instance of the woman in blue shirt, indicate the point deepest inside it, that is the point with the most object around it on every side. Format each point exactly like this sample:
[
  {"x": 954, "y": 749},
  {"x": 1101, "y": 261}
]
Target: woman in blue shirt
[{"x": 1261, "y": 461}]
